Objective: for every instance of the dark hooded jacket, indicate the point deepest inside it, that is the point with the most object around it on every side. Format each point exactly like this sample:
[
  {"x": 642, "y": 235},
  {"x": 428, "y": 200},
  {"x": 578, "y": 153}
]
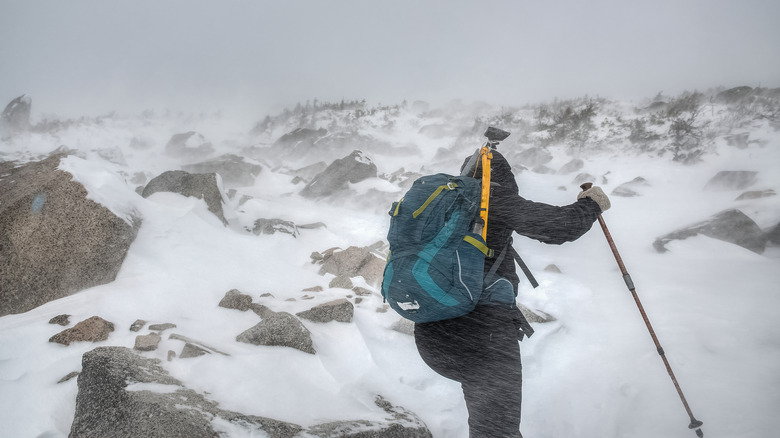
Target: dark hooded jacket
[
  {"x": 480, "y": 349},
  {"x": 509, "y": 212}
]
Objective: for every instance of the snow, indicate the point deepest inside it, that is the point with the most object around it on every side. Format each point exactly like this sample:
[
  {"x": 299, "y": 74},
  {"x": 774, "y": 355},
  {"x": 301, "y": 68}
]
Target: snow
[
  {"x": 103, "y": 186},
  {"x": 594, "y": 372}
]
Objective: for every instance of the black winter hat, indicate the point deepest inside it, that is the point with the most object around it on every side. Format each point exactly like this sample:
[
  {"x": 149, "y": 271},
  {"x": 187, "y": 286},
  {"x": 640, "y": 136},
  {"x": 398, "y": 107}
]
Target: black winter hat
[{"x": 500, "y": 172}]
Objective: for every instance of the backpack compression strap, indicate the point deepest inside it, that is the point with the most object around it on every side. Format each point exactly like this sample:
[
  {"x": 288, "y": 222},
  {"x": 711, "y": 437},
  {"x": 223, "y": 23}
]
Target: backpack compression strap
[
  {"x": 449, "y": 186},
  {"x": 480, "y": 246}
]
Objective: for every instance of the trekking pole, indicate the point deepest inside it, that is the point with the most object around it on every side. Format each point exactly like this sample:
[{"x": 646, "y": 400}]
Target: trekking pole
[{"x": 695, "y": 424}]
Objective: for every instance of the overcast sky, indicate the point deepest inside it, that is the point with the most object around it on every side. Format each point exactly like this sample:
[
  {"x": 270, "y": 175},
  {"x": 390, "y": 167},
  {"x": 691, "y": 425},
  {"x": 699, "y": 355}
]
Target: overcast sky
[{"x": 86, "y": 57}]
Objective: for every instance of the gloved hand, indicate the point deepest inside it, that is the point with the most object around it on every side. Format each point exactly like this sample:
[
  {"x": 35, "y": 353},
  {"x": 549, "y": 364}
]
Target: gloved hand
[{"x": 598, "y": 195}]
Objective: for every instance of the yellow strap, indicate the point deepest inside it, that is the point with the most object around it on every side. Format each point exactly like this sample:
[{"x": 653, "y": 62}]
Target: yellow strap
[
  {"x": 397, "y": 206},
  {"x": 433, "y": 196},
  {"x": 483, "y": 212},
  {"x": 479, "y": 245}
]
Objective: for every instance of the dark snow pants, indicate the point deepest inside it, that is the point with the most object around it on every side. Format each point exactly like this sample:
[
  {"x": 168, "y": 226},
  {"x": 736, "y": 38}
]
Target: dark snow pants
[{"x": 481, "y": 351}]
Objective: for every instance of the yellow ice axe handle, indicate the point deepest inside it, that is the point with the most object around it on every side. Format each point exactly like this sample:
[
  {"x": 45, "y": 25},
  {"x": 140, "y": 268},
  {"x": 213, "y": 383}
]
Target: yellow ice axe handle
[{"x": 486, "y": 156}]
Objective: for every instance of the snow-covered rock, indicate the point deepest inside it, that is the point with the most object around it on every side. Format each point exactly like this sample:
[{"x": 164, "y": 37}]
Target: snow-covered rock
[
  {"x": 205, "y": 186},
  {"x": 732, "y": 226},
  {"x": 235, "y": 170},
  {"x": 732, "y": 180},
  {"x": 335, "y": 178},
  {"x": 55, "y": 239}
]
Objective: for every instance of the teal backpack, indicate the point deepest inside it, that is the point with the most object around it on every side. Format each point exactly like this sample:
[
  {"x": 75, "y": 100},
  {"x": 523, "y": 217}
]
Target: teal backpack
[{"x": 435, "y": 269}]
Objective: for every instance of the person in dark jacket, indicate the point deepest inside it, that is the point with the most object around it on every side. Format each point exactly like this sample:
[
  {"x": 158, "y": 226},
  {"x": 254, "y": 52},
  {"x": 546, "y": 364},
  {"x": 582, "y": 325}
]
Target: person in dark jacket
[{"x": 481, "y": 350}]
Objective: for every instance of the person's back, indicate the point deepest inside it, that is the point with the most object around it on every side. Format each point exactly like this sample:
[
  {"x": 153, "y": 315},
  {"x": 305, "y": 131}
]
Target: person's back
[{"x": 481, "y": 350}]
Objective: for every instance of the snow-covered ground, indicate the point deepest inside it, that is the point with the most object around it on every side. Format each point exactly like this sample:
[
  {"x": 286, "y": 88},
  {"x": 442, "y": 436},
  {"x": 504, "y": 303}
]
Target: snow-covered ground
[{"x": 594, "y": 372}]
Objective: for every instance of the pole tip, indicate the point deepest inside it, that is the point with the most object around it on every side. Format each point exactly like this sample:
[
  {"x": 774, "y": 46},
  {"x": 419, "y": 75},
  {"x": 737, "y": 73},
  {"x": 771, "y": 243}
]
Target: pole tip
[{"x": 696, "y": 424}]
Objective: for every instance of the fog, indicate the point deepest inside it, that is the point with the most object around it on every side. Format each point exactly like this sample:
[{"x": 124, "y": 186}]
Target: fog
[{"x": 88, "y": 57}]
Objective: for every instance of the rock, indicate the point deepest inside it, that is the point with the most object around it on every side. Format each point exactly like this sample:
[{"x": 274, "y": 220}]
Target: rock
[
  {"x": 343, "y": 141},
  {"x": 271, "y": 226},
  {"x": 534, "y": 316},
  {"x": 628, "y": 189},
  {"x": 731, "y": 226},
  {"x": 314, "y": 289},
  {"x": 361, "y": 291},
  {"x": 534, "y": 157},
  {"x": 552, "y": 268},
  {"x": 192, "y": 350},
  {"x": 352, "y": 262},
  {"x": 68, "y": 376},
  {"x": 94, "y": 329},
  {"x": 171, "y": 355},
  {"x": 340, "y": 310},
  {"x": 400, "y": 423},
  {"x": 756, "y": 194},
  {"x": 234, "y": 299},
  {"x": 312, "y": 226},
  {"x": 199, "y": 344},
  {"x": 279, "y": 329},
  {"x": 55, "y": 241},
  {"x": 731, "y": 180},
  {"x": 341, "y": 282},
  {"x": 188, "y": 145},
  {"x": 15, "y": 118},
  {"x": 307, "y": 174},
  {"x": 404, "y": 179},
  {"x": 404, "y": 326},
  {"x": 300, "y": 140},
  {"x": 572, "y": 166},
  {"x": 137, "y": 325},
  {"x": 162, "y": 327},
  {"x": 261, "y": 310},
  {"x": 351, "y": 169},
  {"x": 202, "y": 185},
  {"x": 773, "y": 235},
  {"x": 122, "y": 395},
  {"x": 734, "y": 95},
  {"x": 62, "y": 320},
  {"x": 147, "y": 342},
  {"x": 234, "y": 170}
]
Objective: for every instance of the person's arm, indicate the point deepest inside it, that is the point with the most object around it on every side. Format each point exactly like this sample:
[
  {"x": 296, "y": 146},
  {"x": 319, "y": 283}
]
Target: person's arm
[{"x": 546, "y": 223}]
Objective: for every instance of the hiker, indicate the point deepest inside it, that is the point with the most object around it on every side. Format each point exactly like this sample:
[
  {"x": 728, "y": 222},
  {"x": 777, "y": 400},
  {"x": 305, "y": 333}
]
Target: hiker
[{"x": 481, "y": 350}]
